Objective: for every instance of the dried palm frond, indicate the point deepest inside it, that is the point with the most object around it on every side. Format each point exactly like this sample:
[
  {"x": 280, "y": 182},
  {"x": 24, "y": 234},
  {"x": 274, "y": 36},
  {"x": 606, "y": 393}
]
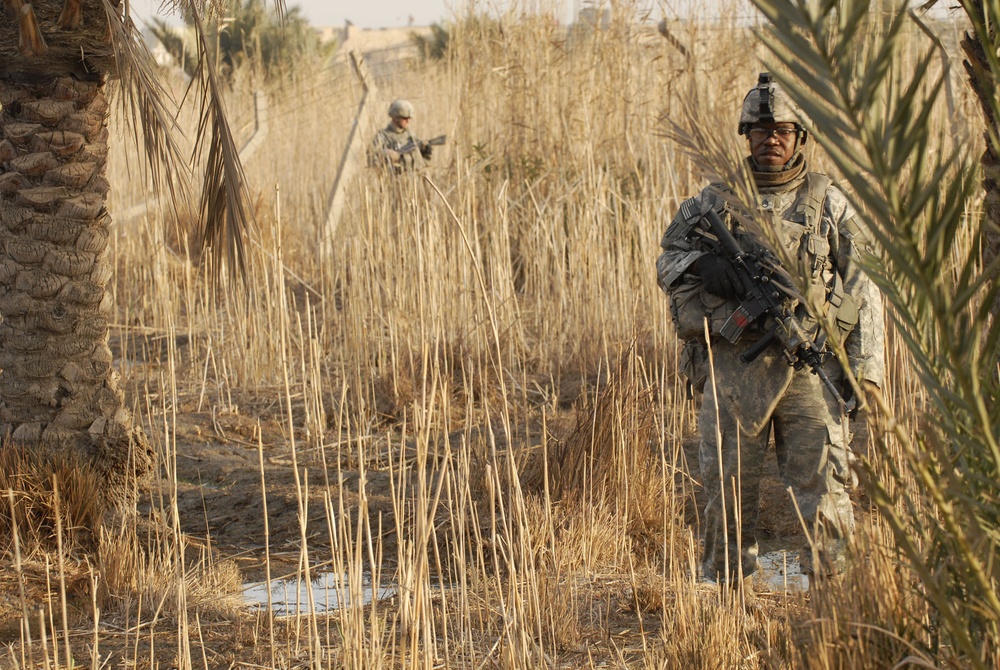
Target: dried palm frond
[
  {"x": 225, "y": 211},
  {"x": 224, "y": 198},
  {"x": 146, "y": 107}
]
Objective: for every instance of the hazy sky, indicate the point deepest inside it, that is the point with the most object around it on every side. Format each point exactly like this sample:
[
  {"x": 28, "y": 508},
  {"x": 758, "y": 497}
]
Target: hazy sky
[
  {"x": 399, "y": 13},
  {"x": 363, "y": 13}
]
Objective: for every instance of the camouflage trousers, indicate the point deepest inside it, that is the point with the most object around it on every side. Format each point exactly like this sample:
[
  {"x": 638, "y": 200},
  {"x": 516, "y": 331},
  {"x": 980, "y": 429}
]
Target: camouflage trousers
[{"x": 811, "y": 443}]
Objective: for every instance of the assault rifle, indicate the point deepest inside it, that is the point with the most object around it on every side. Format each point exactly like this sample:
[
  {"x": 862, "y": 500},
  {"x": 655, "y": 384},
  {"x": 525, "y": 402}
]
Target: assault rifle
[
  {"x": 763, "y": 294},
  {"x": 412, "y": 144}
]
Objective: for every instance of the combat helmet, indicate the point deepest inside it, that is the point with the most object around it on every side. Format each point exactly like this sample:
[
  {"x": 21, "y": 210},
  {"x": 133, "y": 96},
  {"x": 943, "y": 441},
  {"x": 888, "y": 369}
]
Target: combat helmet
[
  {"x": 767, "y": 102},
  {"x": 402, "y": 109}
]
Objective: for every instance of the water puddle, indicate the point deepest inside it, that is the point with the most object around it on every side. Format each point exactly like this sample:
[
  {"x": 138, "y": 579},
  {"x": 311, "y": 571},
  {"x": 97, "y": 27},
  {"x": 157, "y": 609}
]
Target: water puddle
[
  {"x": 329, "y": 592},
  {"x": 781, "y": 571}
]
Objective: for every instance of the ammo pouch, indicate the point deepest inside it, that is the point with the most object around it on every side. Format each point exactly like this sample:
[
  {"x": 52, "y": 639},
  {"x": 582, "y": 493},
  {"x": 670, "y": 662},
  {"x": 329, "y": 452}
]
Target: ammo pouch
[
  {"x": 693, "y": 364},
  {"x": 688, "y": 311},
  {"x": 847, "y": 316},
  {"x": 843, "y": 309}
]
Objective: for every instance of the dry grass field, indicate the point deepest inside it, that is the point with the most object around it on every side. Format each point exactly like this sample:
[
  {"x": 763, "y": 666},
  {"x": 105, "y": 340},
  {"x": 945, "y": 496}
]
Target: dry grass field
[{"x": 464, "y": 391}]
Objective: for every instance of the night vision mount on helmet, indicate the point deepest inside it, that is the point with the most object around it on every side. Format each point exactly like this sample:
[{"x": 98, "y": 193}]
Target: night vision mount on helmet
[{"x": 767, "y": 102}]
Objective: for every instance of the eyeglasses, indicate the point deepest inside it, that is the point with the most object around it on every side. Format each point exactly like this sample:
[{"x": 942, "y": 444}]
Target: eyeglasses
[{"x": 761, "y": 134}]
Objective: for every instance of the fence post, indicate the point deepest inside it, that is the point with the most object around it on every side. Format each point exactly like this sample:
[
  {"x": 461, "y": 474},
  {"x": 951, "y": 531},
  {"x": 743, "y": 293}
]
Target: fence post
[
  {"x": 353, "y": 153},
  {"x": 260, "y": 126}
]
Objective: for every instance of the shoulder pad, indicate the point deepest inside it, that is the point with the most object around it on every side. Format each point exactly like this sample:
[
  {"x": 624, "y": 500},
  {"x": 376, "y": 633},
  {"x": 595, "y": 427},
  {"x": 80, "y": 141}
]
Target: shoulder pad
[{"x": 856, "y": 231}]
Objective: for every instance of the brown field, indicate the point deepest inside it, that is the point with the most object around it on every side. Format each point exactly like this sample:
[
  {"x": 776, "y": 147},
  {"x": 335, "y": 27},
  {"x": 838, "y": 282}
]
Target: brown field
[{"x": 464, "y": 390}]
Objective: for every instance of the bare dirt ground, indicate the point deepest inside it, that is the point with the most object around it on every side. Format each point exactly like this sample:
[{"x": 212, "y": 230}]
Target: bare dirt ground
[
  {"x": 219, "y": 497},
  {"x": 221, "y": 470},
  {"x": 224, "y": 458}
]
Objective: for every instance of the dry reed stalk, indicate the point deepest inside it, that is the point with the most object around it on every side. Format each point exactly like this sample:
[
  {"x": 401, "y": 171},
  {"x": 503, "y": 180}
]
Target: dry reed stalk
[
  {"x": 267, "y": 545},
  {"x": 43, "y": 625},
  {"x": 62, "y": 572},
  {"x": 95, "y": 613},
  {"x": 610, "y": 445},
  {"x": 38, "y": 512},
  {"x": 876, "y": 621},
  {"x": 26, "y": 640}
]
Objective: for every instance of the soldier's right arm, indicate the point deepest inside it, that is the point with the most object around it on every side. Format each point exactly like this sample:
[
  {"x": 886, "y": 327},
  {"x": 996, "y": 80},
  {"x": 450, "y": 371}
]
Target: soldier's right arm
[
  {"x": 681, "y": 249},
  {"x": 376, "y": 152},
  {"x": 381, "y": 153}
]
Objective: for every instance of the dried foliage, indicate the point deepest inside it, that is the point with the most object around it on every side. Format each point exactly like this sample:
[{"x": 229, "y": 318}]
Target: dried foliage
[
  {"x": 141, "y": 568},
  {"x": 147, "y": 107},
  {"x": 249, "y": 36},
  {"x": 44, "y": 494},
  {"x": 611, "y": 443},
  {"x": 225, "y": 208}
]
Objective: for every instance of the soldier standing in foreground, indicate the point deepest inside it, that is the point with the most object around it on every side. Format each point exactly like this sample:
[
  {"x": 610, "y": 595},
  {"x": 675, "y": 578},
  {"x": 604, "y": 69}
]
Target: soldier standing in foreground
[
  {"x": 395, "y": 146},
  {"x": 762, "y": 392}
]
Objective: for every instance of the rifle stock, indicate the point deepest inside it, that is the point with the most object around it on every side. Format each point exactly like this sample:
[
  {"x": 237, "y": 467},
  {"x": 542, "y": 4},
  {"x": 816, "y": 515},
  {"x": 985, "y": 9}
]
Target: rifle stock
[{"x": 763, "y": 296}]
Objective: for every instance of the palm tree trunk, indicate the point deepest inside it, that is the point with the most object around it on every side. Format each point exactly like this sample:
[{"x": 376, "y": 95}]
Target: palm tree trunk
[{"x": 59, "y": 391}]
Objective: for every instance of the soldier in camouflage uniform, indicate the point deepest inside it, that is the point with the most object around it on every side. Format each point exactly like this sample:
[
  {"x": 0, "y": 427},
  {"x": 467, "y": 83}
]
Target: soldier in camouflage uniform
[
  {"x": 750, "y": 401},
  {"x": 390, "y": 140}
]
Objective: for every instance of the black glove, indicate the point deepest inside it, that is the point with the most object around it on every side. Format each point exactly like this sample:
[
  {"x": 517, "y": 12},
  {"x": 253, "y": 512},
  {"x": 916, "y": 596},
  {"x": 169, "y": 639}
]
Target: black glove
[
  {"x": 871, "y": 398},
  {"x": 426, "y": 150},
  {"x": 718, "y": 277}
]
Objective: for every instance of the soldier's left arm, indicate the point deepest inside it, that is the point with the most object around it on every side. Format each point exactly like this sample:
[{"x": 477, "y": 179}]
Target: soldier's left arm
[{"x": 855, "y": 244}]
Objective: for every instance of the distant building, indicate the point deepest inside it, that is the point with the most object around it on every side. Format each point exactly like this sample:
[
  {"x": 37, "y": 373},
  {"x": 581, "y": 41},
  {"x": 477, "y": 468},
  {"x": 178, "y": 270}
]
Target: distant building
[
  {"x": 386, "y": 50},
  {"x": 329, "y": 34}
]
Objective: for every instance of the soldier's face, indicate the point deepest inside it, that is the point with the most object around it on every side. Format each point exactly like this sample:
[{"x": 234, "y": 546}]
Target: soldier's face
[
  {"x": 401, "y": 121},
  {"x": 771, "y": 144}
]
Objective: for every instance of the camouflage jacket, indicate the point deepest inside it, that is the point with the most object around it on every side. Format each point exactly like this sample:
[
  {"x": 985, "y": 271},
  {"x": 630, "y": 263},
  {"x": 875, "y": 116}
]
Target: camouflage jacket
[
  {"x": 395, "y": 139},
  {"x": 820, "y": 229}
]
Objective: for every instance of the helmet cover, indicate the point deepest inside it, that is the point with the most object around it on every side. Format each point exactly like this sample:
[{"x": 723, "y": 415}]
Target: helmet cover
[
  {"x": 767, "y": 102},
  {"x": 401, "y": 109}
]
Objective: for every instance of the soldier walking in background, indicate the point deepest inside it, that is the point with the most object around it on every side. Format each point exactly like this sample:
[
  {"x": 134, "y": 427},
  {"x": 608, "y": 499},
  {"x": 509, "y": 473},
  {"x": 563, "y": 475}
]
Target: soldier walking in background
[
  {"x": 762, "y": 393},
  {"x": 395, "y": 147}
]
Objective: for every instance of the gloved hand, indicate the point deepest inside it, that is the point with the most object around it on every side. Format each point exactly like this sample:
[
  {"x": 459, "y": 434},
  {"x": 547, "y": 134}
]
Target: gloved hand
[
  {"x": 718, "y": 277},
  {"x": 426, "y": 150},
  {"x": 870, "y": 400}
]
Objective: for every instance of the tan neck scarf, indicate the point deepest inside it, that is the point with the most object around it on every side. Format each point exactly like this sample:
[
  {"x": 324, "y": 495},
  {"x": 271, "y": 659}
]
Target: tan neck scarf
[{"x": 794, "y": 169}]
